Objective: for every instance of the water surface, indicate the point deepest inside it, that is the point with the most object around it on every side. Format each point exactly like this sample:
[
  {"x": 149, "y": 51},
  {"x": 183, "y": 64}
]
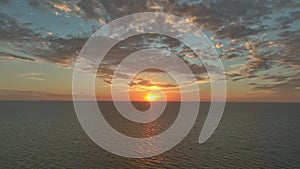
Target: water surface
[{"x": 250, "y": 135}]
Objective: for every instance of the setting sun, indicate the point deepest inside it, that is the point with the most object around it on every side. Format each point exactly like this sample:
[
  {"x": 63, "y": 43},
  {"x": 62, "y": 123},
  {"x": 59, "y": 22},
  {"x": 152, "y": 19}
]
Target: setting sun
[{"x": 152, "y": 97}]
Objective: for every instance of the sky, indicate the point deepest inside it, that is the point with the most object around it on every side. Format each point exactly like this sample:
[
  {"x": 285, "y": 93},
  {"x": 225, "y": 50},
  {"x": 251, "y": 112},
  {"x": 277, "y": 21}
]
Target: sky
[{"x": 258, "y": 42}]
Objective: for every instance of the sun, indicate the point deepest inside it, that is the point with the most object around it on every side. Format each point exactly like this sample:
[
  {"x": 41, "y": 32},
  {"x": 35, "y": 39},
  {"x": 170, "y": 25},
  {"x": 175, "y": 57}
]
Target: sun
[{"x": 151, "y": 97}]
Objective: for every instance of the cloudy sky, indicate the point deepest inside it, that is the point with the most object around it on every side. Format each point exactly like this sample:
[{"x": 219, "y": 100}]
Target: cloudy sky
[{"x": 258, "y": 42}]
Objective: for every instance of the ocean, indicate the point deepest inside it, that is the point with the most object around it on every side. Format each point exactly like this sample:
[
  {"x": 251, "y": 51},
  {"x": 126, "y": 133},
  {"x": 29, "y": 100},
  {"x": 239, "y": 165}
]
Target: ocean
[{"x": 45, "y": 134}]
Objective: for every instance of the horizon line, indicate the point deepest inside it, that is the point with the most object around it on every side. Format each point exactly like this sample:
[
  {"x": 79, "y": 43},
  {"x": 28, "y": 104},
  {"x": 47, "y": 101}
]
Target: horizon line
[{"x": 148, "y": 101}]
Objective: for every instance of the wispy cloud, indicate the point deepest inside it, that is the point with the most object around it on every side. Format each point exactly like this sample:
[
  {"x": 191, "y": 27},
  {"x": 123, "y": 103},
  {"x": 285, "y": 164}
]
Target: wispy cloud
[
  {"x": 32, "y": 76},
  {"x": 19, "y": 94}
]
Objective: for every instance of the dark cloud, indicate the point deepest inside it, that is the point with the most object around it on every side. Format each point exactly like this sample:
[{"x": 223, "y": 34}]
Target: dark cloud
[
  {"x": 61, "y": 50},
  {"x": 9, "y": 55},
  {"x": 290, "y": 42},
  {"x": 236, "y": 31},
  {"x": 233, "y": 74},
  {"x": 10, "y": 29},
  {"x": 87, "y": 9},
  {"x": 148, "y": 83},
  {"x": 91, "y": 9},
  {"x": 285, "y": 86},
  {"x": 276, "y": 78},
  {"x": 237, "y": 79},
  {"x": 29, "y": 42},
  {"x": 147, "y": 41},
  {"x": 4, "y": 2},
  {"x": 257, "y": 65},
  {"x": 290, "y": 85},
  {"x": 35, "y": 3},
  {"x": 231, "y": 56},
  {"x": 235, "y": 7},
  {"x": 105, "y": 72},
  {"x": 295, "y": 15}
]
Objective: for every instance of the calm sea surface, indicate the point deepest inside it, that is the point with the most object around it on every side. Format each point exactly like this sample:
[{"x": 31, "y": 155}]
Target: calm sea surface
[{"x": 250, "y": 135}]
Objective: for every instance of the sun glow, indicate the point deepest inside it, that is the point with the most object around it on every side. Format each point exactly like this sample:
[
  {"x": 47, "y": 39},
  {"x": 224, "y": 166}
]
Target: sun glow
[{"x": 151, "y": 97}]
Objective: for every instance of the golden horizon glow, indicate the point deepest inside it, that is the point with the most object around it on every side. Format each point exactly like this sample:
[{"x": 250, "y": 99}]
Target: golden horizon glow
[{"x": 151, "y": 97}]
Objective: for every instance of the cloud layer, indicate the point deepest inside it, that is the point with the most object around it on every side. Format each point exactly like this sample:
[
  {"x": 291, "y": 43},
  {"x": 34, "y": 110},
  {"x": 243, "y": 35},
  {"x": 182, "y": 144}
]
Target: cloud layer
[{"x": 263, "y": 37}]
